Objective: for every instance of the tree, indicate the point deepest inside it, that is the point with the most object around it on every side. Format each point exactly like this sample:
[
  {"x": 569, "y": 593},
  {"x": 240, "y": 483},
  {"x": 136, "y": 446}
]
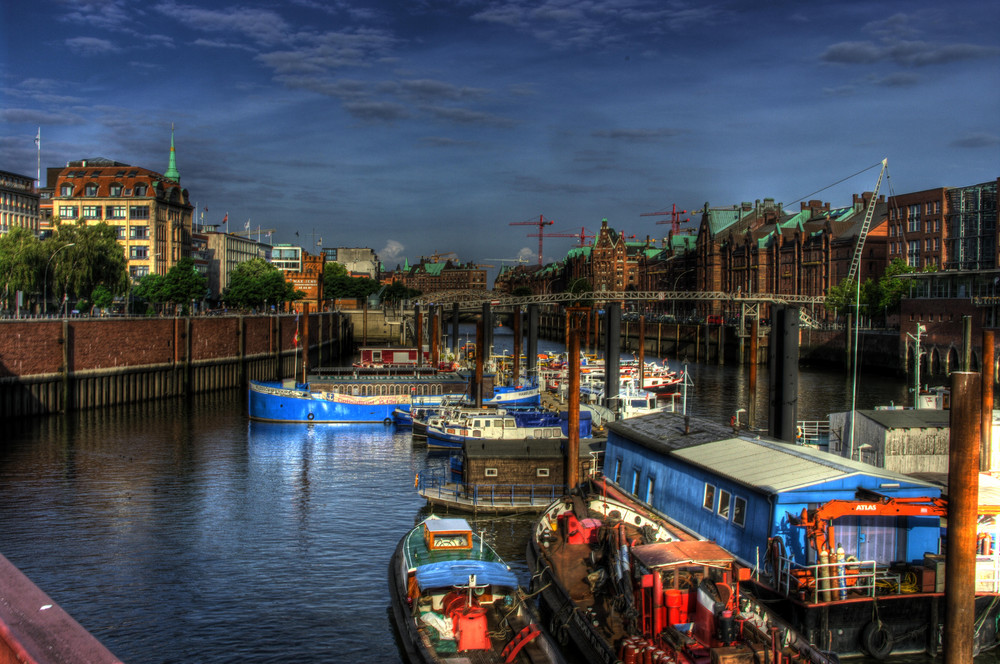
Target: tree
[
  {"x": 256, "y": 283},
  {"x": 397, "y": 292},
  {"x": 183, "y": 283},
  {"x": 21, "y": 263},
  {"x": 102, "y": 297},
  {"x": 521, "y": 291},
  {"x": 343, "y": 286},
  {"x": 840, "y": 298},
  {"x": 95, "y": 259}
]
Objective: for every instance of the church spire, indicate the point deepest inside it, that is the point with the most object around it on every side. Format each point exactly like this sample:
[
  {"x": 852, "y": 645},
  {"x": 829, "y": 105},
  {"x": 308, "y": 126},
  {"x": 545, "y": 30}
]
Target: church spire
[{"x": 172, "y": 171}]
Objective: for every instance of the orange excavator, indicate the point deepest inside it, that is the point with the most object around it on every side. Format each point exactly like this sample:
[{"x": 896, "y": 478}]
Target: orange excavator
[{"x": 819, "y": 528}]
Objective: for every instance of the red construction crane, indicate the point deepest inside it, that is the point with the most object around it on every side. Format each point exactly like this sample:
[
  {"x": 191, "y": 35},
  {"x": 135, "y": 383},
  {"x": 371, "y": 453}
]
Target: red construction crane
[
  {"x": 582, "y": 235},
  {"x": 541, "y": 223},
  {"x": 674, "y": 220}
]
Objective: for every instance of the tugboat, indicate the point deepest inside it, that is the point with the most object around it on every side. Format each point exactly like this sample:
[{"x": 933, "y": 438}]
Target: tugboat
[
  {"x": 623, "y": 584},
  {"x": 455, "y": 600}
]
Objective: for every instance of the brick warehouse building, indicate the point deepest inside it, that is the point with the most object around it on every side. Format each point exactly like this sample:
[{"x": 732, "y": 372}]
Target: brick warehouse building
[{"x": 151, "y": 211}]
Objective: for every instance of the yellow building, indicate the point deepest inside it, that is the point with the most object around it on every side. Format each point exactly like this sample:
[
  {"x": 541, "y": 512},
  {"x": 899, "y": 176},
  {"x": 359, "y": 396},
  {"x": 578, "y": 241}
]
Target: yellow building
[{"x": 151, "y": 212}]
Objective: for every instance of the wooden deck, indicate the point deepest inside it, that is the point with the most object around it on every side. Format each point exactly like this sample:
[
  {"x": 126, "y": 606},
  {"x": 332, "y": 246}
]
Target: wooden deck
[{"x": 492, "y": 499}]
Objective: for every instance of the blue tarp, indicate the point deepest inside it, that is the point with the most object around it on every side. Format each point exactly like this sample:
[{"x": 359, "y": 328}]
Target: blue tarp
[{"x": 457, "y": 572}]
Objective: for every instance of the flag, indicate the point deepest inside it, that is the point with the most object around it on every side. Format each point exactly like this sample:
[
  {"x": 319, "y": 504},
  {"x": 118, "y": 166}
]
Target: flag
[
  {"x": 246, "y": 226},
  {"x": 296, "y": 339},
  {"x": 38, "y": 137},
  {"x": 225, "y": 219}
]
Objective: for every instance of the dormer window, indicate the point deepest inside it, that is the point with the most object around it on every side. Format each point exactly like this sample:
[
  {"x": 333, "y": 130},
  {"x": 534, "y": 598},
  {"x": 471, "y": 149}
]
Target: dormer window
[
  {"x": 140, "y": 190},
  {"x": 90, "y": 189},
  {"x": 116, "y": 189},
  {"x": 66, "y": 190}
]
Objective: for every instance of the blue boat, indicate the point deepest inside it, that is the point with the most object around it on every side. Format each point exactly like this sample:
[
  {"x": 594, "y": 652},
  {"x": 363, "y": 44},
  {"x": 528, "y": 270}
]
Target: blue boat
[
  {"x": 455, "y": 600},
  {"x": 368, "y": 394}
]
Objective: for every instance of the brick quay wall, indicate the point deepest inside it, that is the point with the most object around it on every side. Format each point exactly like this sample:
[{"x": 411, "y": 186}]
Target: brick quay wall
[{"x": 55, "y": 365}]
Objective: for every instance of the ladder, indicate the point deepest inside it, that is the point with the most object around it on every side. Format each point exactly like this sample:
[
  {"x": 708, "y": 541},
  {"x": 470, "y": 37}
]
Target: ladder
[{"x": 859, "y": 247}]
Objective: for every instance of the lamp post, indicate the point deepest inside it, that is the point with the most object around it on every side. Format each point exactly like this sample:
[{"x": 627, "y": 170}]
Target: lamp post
[
  {"x": 916, "y": 364},
  {"x": 45, "y": 278},
  {"x": 673, "y": 302}
]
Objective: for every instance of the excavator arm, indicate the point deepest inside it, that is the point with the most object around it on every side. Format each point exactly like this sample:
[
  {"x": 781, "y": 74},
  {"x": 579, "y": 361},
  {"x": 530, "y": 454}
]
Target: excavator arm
[{"x": 819, "y": 529}]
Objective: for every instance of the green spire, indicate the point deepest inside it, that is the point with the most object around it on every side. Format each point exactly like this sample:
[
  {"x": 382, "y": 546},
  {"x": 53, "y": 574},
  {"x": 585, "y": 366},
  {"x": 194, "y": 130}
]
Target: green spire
[{"x": 172, "y": 171}]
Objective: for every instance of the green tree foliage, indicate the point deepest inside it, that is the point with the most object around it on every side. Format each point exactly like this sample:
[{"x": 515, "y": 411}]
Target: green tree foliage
[
  {"x": 21, "y": 264},
  {"x": 179, "y": 286},
  {"x": 95, "y": 259},
  {"x": 840, "y": 298},
  {"x": 521, "y": 291},
  {"x": 333, "y": 269},
  {"x": 102, "y": 297},
  {"x": 257, "y": 284},
  {"x": 398, "y": 292},
  {"x": 341, "y": 286}
]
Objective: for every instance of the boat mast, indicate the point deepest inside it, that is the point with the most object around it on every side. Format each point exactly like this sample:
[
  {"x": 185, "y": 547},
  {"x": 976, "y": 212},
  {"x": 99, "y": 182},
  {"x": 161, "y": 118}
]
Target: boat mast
[{"x": 852, "y": 273}]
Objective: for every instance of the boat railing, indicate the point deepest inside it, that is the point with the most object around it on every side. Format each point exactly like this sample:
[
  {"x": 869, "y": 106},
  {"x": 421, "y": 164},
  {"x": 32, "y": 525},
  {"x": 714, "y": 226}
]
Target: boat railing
[
  {"x": 488, "y": 495},
  {"x": 826, "y": 582},
  {"x": 812, "y": 432}
]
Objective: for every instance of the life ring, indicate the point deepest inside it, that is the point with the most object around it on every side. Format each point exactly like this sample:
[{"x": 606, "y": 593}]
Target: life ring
[
  {"x": 387, "y": 421},
  {"x": 310, "y": 416},
  {"x": 877, "y": 640}
]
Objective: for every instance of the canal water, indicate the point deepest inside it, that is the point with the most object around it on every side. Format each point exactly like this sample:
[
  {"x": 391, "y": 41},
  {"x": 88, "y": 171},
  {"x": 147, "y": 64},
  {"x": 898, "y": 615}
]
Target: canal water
[{"x": 177, "y": 531}]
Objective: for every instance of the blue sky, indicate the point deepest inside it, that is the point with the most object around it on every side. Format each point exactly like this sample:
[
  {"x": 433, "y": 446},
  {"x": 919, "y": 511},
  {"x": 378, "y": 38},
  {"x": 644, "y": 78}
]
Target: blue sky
[{"x": 415, "y": 127}]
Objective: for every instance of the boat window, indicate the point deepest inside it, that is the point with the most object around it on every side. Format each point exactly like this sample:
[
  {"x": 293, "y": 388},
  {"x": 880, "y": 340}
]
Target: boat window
[
  {"x": 739, "y": 511},
  {"x": 724, "y": 499},
  {"x": 510, "y": 423},
  {"x": 542, "y": 472},
  {"x": 709, "y": 500},
  {"x": 491, "y": 472},
  {"x": 650, "y": 485},
  {"x": 618, "y": 471},
  {"x": 635, "y": 482}
]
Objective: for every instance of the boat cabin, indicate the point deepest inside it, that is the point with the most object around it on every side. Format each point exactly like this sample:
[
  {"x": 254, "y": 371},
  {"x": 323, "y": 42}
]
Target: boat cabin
[
  {"x": 741, "y": 490},
  {"x": 447, "y": 535},
  {"x": 399, "y": 357}
]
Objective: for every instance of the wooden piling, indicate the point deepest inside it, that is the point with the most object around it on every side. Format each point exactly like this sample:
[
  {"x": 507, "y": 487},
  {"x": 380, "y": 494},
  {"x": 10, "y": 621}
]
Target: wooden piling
[{"x": 963, "y": 508}]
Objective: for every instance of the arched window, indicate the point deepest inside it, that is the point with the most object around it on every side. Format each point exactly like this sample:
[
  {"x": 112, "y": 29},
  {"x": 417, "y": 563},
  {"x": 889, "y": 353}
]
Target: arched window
[
  {"x": 116, "y": 189},
  {"x": 140, "y": 190},
  {"x": 66, "y": 190},
  {"x": 90, "y": 189}
]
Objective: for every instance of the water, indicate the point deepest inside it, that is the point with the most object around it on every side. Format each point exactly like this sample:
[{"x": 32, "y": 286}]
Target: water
[{"x": 179, "y": 532}]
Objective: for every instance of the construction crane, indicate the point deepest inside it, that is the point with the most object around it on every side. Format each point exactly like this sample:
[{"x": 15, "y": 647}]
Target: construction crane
[
  {"x": 675, "y": 218},
  {"x": 508, "y": 260},
  {"x": 863, "y": 233},
  {"x": 582, "y": 235},
  {"x": 436, "y": 256},
  {"x": 541, "y": 223}
]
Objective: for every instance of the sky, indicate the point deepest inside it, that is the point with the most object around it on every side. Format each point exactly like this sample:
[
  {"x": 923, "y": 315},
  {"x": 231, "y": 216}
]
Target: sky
[{"x": 421, "y": 128}]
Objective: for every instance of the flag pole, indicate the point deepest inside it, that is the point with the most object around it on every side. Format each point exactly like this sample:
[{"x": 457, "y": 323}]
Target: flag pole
[{"x": 38, "y": 145}]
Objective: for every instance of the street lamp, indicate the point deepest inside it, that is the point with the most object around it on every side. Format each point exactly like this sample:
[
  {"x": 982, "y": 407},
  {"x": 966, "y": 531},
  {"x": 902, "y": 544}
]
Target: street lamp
[{"x": 45, "y": 278}]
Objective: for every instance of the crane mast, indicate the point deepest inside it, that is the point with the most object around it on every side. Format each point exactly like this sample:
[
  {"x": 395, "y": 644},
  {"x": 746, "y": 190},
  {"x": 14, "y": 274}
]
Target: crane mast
[{"x": 859, "y": 247}]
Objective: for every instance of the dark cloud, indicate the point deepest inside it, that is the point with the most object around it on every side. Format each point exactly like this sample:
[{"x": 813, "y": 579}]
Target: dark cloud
[
  {"x": 376, "y": 111},
  {"x": 977, "y": 141},
  {"x": 467, "y": 117},
  {"x": 637, "y": 134}
]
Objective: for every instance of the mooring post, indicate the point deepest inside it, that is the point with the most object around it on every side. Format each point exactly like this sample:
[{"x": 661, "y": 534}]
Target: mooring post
[
  {"x": 478, "y": 388},
  {"x": 963, "y": 509},
  {"x": 988, "y": 453},
  {"x": 752, "y": 405},
  {"x": 516, "y": 378},
  {"x": 533, "y": 342},
  {"x": 418, "y": 328},
  {"x": 573, "y": 441}
]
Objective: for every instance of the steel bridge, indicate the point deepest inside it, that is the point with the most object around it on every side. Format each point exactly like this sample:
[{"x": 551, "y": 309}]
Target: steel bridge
[{"x": 473, "y": 300}]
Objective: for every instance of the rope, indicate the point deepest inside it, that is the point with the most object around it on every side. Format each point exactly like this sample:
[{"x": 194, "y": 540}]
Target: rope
[{"x": 879, "y": 164}]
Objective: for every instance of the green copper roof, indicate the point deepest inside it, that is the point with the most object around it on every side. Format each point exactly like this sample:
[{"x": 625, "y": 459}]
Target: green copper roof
[{"x": 172, "y": 172}]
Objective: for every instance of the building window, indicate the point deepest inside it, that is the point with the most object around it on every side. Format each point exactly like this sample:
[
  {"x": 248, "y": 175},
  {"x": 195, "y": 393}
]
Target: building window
[
  {"x": 491, "y": 472},
  {"x": 121, "y": 230},
  {"x": 618, "y": 471},
  {"x": 116, "y": 212},
  {"x": 138, "y": 212},
  {"x": 67, "y": 212},
  {"x": 635, "y": 482},
  {"x": 542, "y": 472},
  {"x": 708, "y": 502},
  {"x": 140, "y": 190},
  {"x": 724, "y": 498},
  {"x": 66, "y": 190},
  {"x": 913, "y": 253},
  {"x": 138, "y": 271},
  {"x": 115, "y": 189},
  {"x": 138, "y": 252},
  {"x": 139, "y": 232},
  {"x": 650, "y": 487},
  {"x": 739, "y": 511},
  {"x": 90, "y": 190},
  {"x": 91, "y": 211}
]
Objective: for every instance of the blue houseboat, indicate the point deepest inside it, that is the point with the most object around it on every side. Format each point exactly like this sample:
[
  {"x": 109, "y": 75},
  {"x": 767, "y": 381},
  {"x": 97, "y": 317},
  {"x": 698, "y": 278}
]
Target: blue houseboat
[{"x": 812, "y": 525}]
